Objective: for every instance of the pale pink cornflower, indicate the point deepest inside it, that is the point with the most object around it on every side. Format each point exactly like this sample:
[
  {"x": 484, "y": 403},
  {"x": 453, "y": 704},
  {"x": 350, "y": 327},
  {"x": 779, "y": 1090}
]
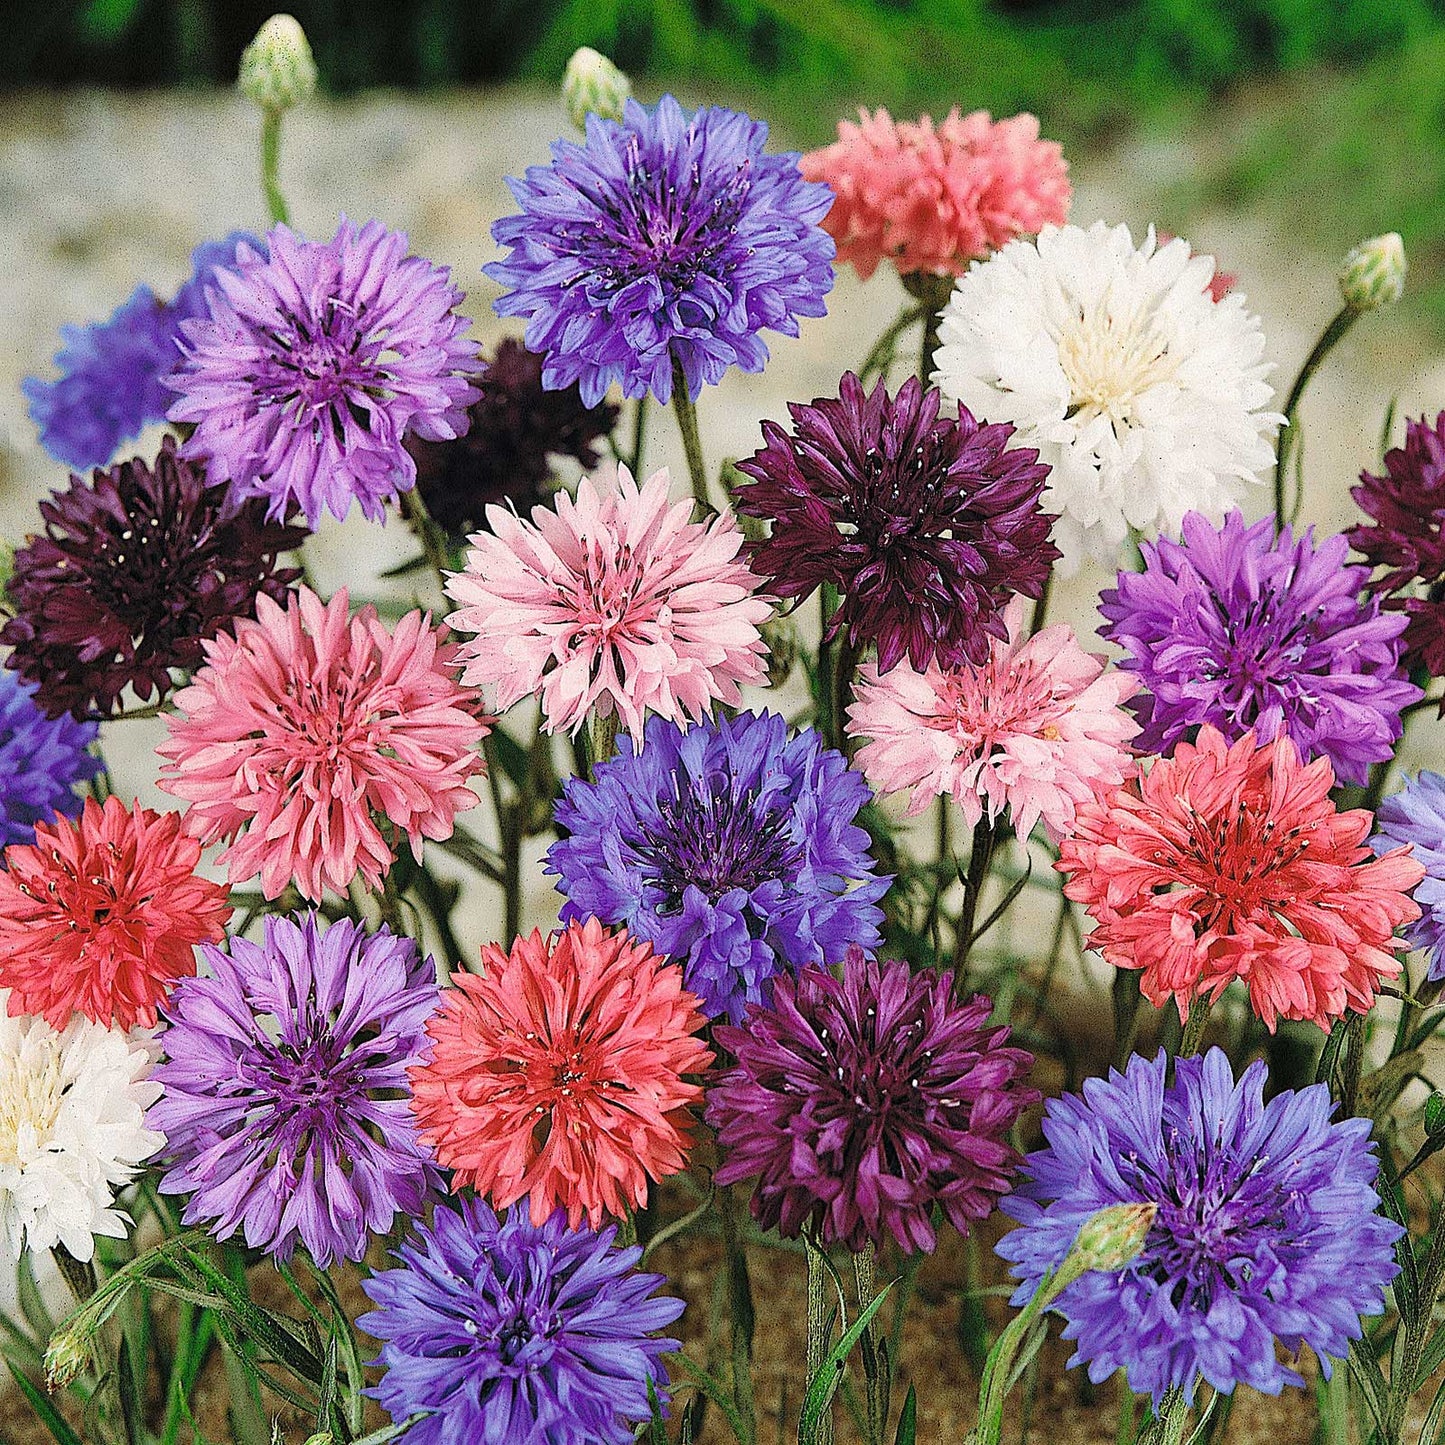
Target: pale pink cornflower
[
  {"x": 616, "y": 601},
  {"x": 1035, "y": 731},
  {"x": 310, "y": 725}
]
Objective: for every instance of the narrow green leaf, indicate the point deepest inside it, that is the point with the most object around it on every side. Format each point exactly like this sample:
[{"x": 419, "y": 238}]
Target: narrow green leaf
[
  {"x": 47, "y": 1414},
  {"x": 908, "y": 1419},
  {"x": 327, "y": 1403},
  {"x": 131, "y": 1408},
  {"x": 1004, "y": 905},
  {"x": 824, "y": 1385},
  {"x": 32, "y": 1306},
  {"x": 420, "y": 563},
  {"x": 513, "y": 758},
  {"x": 1366, "y": 1370}
]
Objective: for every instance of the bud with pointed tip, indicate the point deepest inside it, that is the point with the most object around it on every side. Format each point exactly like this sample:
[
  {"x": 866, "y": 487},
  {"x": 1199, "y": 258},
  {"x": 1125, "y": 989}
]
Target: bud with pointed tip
[
  {"x": 278, "y": 70},
  {"x": 1373, "y": 273},
  {"x": 66, "y": 1355},
  {"x": 1111, "y": 1237},
  {"x": 594, "y": 85}
]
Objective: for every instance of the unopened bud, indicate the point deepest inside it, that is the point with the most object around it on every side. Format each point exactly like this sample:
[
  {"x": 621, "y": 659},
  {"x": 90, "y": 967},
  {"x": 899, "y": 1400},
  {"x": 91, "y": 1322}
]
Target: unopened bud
[
  {"x": 66, "y": 1355},
  {"x": 1373, "y": 274},
  {"x": 1112, "y": 1237},
  {"x": 780, "y": 634},
  {"x": 277, "y": 68},
  {"x": 593, "y": 85},
  {"x": 322, "y": 1437}
]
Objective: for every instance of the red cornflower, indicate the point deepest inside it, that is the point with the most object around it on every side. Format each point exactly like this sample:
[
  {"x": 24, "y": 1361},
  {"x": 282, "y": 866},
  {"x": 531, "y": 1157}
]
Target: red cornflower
[
  {"x": 100, "y": 916},
  {"x": 1230, "y": 862},
  {"x": 559, "y": 1073}
]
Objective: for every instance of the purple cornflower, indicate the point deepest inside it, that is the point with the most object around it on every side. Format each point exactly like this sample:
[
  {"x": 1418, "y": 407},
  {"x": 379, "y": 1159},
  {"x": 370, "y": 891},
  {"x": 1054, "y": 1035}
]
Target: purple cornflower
[
  {"x": 1416, "y": 815},
  {"x": 136, "y": 569},
  {"x": 663, "y": 239},
  {"x": 500, "y": 1330},
  {"x": 731, "y": 848},
  {"x": 286, "y": 1104},
  {"x": 927, "y": 525},
  {"x": 41, "y": 761},
  {"x": 1266, "y": 1228},
  {"x": 862, "y": 1105},
  {"x": 111, "y": 383},
  {"x": 1238, "y": 628},
  {"x": 312, "y": 366}
]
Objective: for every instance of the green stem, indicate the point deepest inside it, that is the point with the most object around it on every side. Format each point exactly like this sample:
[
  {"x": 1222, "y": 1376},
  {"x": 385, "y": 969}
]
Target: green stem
[
  {"x": 431, "y": 537},
  {"x": 1332, "y": 333},
  {"x": 877, "y": 361},
  {"x": 78, "y": 1274},
  {"x": 979, "y": 858},
  {"x": 686, "y": 412},
  {"x": 818, "y": 1329},
  {"x": 270, "y": 167},
  {"x": 1354, "y": 1065},
  {"x": 845, "y": 665},
  {"x": 864, "y": 1276},
  {"x": 1167, "y": 1427},
  {"x": 1194, "y": 1028},
  {"x": 639, "y": 434},
  {"x": 601, "y": 739},
  {"x": 740, "y": 1316},
  {"x": 1041, "y": 607}
]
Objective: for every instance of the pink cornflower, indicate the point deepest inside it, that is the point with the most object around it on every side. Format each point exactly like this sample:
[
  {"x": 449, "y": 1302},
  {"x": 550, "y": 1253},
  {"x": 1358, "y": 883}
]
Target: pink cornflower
[
  {"x": 558, "y": 1073},
  {"x": 935, "y": 197},
  {"x": 101, "y": 915},
  {"x": 1035, "y": 731},
  {"x": 616, "y": 601},
  {"x": 308, "y": 726},
  {"x": 1230, "y": 862}
]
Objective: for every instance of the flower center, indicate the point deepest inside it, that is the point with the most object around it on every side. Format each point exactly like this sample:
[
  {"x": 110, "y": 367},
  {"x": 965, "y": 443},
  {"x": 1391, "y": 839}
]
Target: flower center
[
  {"x": 989, "y": 706},
  {"x": 31, "y": 1092},
  {"x": 1111, "y": 360},
  {"x": 1260, "y": 653},
  {"x": 322, "y": 368}
]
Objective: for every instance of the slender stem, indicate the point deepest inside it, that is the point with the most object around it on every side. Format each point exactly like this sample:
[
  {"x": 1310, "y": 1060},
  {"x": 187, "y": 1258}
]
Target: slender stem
[
  {"x": 979, "y": 858},
  {"x": 601, "y": 739},
  {"x": 1167, "y": 1427},
  {"x": 270, "y": 166},
  {"x": 879, "y": 358},
  {"x": 1340, "y": 324},
  {"x": 845, "y": 665},
  {"x": 686, "y": 411},
  {"x": 639, "y": 433},
  {"x": 1354, "y": 1065},
  {"x": 1041, "y": 607},
  {"x": 431, "y": 537},
  {"x": 864, "y": 1276},
  {"x": 1194, "y": 1028},
  {"x": 818, "y": 1329},
  {"x": 740, "y": 1315},
  {"x": 77, "y": 1273}
]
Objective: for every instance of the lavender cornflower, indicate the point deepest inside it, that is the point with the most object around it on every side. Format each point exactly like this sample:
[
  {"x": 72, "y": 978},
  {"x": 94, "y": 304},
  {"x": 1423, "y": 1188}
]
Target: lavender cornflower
[
  {"x": 41, "y": 761},
  {"x": 1416, "y": 815}
]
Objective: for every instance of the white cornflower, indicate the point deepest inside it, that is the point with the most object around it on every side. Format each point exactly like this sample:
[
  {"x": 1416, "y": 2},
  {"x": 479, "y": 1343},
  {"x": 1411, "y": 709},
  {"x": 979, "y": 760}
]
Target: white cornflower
[
  {"x": 1143, "y": 394},
  {"x": 72, "y": 1130}
]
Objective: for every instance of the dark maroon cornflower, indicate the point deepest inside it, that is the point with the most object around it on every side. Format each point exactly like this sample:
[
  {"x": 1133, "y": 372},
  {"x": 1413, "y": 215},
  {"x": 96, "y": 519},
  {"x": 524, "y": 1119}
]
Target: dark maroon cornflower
[
  {"x": 862, "y": 1104},
  {"x": 136, "y": 568},
  {"x": 516, "y": 428},
  {"x": 927, "y": 525}
]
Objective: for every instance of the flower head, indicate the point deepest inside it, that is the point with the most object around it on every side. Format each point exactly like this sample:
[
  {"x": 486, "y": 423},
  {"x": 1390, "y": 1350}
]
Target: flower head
[
  {"x": 1373, "y": 274},
  {"x": 935, "y": 197},
  {"x": 1035, "y": 731},
  {"x": 926, "y": 524},
  {"x": 1242, "y": 629},
  {"x": 1142, "y": 393},
  {"x": 285, "y": 1105},
  {"x": 306, "y": 728},
  {"x": 593, "y": 85},
  {"x": 102, "y": 915},
  {"x": 506, "y": 453},
  {"x": 1416, "y": 816},
  {"x": 663, "y": 240},
  {"x": 277, "y": 69},
  {"x": 863, "y": 1105},
  {"x": 730, "y": 848},
  {"x": 616, "y": 601},
  {"x": 1229, "y": 861},
  {"x": 1265, "y": 1232},
  {"x": 517, "y": 1333},
  {"x": 135, "y": 570},
  {"x": 314, "y": 363},
  {"x": 72, "y": 1107},
  {"x": 558, "y": 1073},
  {"x": 41, "y": 761}
]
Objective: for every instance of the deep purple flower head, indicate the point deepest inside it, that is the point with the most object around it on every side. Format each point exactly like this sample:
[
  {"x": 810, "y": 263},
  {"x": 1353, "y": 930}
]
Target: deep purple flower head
[
  {"x": 1238, "y": 628},
  {"x": 506, "y": 454},
  {"x": 1416, "y": 815},
  {"x": 517, "y": 1334},
  {"x": 136, "y": 569},
  {"x": 862, "y": 1105},
  {"x": 731, "y": 848},
  {"x": 663, "y": 237},
  {"x": 41, "y": 761},
  {"x": 927, "y": 524},
  {"x": 311, "y": 367},
  {"x": 286, "y": 1104},
  {"x": 111, "y": 383},
  {"x": 1266, "y": 1228}
]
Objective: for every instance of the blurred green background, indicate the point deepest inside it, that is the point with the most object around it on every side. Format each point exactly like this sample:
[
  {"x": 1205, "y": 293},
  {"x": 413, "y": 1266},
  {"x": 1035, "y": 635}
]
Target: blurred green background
[{"x": 1330, "y": 111}]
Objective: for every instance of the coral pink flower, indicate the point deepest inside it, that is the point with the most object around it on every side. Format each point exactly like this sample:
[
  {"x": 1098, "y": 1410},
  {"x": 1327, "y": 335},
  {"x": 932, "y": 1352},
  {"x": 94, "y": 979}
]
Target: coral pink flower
[
  {"x": 100, "y": 916},
  {"x": 1036, "y": 730},
  {"x": 308, "y": 725},
  {"x": 558, "y": 1073},
  {"x": 935, "y": 197},
  {"x": 1230, "y": 862},
  {"x": 617, "y": 601}
]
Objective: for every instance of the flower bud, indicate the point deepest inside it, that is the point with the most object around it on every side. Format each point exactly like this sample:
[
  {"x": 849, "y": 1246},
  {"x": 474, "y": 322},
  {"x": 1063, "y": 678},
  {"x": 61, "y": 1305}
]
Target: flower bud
[
  {"x": 1112, "y": 1237},
  {"x": 1374, "y": 273},
  {"x": 277, "y": 68},
  {"x": 594, "y": 85},
  {"x": 66, "y": 1355}
]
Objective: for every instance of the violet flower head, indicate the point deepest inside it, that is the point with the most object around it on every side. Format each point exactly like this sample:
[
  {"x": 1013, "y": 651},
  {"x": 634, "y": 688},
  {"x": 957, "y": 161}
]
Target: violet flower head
[
  {"x": 314, "y": 363},
  {"x": 1416, "y": 815},
  {"x": 731, "y": 848},
  {"x": 1266, "y": 1231},
  {"x": 135, "y": 571},
  {"x": 111, "y": 385},
  {"x": 41, "y": 761},
  {"x": 662, "y": 240},
  {"x": 926, "y": 524},
  {"x": 863, "y": 1104},
  {"x": 500, "y": 1330},
  {"x": 286, "y": 1105},
  {"x": 1235, "y": 627}
]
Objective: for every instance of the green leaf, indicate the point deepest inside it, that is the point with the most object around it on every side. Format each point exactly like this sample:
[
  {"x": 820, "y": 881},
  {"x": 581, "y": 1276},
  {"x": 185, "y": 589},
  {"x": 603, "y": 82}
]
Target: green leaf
[
  {"x": 48, "y": 1415},
  {"x": 1005, "y": 904},
  {"x": 420, "y": 563},
  {"x": 1435, "y": 1114},
  {"x": 327, "y": 1402},
  {"x": 1366, "y": 1370},
  {"x": 1431, "y": 1358},
  {"x": 131, "y": 1409},
  {"x": 824, "y": 1385},
  {"x": 513, "y": 758},
  {"x": 908, "y": 1419},
  {"x": 32, "y": 1306}
]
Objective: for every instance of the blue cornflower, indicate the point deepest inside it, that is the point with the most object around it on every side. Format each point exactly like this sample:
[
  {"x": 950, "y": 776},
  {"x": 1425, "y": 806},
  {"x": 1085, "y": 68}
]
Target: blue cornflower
[
  {"x": 662, "y": 237},
  {"x": 517, "y": 1334},
  {"x": 731, "y": 848},
  {"x": 1416, "y": 815},
  {"x": 41, "y": 760},
  {"x": 1266, "y": 1230}
]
